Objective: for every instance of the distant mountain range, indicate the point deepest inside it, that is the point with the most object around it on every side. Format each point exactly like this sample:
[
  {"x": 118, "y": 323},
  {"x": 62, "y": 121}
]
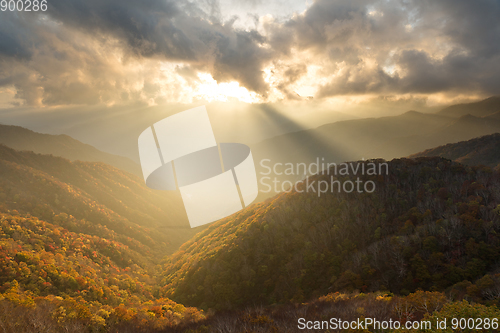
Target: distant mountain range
[
  {"x": 484, "y": 150},
  {"x": 62, "y": 145},
  {"x": 385, "y": 137}
]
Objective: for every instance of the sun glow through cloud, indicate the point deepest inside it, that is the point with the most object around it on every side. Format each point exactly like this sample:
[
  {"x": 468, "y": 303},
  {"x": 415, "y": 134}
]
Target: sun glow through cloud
[{"x": 209, "y": 90}]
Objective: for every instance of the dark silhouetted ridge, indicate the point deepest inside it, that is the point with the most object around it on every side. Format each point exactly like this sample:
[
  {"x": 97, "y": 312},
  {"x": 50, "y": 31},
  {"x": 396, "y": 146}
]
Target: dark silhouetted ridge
[
  {"x": 479, "y": 109},
  {"x": 484, "y": 150}
]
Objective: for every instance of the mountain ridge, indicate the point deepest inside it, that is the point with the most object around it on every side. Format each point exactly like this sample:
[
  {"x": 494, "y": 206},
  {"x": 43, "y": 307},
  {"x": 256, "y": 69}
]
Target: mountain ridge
[
  {"x": 484, "y": 150},
  {"x": 481, "y": 108},
  {"x": 62, "y": 145}
]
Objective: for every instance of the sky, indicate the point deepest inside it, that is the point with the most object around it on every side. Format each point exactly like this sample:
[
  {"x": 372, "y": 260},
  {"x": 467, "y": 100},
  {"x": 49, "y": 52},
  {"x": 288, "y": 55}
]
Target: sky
[{"x": 125, "y": 62}]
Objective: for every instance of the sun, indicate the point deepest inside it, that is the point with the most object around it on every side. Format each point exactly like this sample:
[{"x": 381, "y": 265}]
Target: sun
[{"x": 210, "y": 90}]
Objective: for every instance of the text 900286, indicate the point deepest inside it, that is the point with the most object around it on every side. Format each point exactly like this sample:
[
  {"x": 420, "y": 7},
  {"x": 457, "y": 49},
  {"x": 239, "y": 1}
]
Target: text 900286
[{"x": 23, "y": 5}]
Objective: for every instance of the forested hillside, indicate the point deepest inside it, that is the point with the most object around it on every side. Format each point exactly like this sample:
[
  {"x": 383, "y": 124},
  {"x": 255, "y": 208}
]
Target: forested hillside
[
  {"x": 431, "y": 224},
  {"x": 53, "y": 279},
  {"x": 96, "y": 195},
  {"x": 80, "y": 247}
]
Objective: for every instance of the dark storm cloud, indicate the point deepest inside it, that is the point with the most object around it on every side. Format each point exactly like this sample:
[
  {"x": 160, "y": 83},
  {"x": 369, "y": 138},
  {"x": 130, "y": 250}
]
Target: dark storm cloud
[
  {"x": 437, "y": 46},
  {"x": 15, "y": 40},
  {"x": 174, "y": 30},
  {"x": 147, "y": 27},
  {"x": 473, "y": 25},
  {"x": 312, "y": 28},
  {"x": 379, "y": 47}
]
